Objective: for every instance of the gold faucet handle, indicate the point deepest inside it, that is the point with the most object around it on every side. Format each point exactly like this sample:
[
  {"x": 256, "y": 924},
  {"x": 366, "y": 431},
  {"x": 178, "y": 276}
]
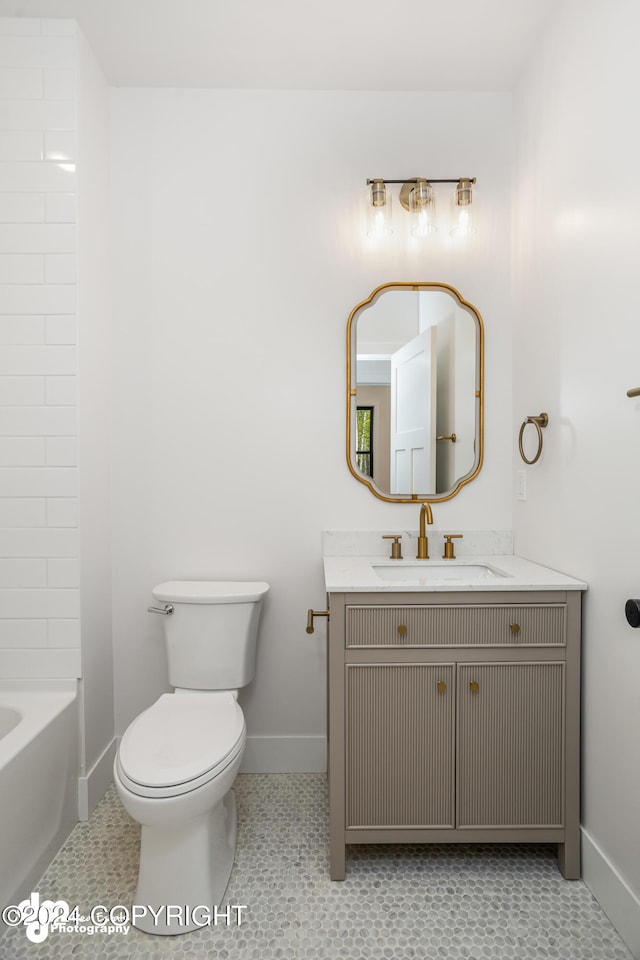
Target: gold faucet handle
[
  {"x": 396, "y": 548},
  {"x": 449, "y": 546}
]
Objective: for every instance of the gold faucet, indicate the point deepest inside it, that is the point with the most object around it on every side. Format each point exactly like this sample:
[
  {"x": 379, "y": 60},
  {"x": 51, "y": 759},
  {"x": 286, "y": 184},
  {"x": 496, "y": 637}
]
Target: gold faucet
[{"x": 426, "y": 516}]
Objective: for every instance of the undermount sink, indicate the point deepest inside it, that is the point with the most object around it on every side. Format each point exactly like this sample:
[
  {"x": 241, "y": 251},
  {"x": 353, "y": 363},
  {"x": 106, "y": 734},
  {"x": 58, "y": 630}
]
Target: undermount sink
[{"x": 425, "y": 571}]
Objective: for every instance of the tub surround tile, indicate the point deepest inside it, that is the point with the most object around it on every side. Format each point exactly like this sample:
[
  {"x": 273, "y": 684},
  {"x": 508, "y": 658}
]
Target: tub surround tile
[
  {"x": 22, "y": 207},
  {"x": 38, "y": 360}
]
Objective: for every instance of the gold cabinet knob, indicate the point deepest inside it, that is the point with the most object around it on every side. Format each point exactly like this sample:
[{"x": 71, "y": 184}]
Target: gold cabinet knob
[
  {"x": 474, "y": 686},
  {"x": 441, "y": 686},
  {"x": 402, "y": 630},
  {"x": 514, "y": 627}
]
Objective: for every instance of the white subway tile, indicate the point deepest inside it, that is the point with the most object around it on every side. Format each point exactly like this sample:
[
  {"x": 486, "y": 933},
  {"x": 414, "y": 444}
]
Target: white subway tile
[
  {"x": 21, "y": 391},
  {"x": 60, "y": 329},
  {"x": 48, "y": 176},
  {"x": 40, "y": 543},
  {"x": 61, "y": 451},
  {"x": 38, "y": 481},
  {"x": 59, "y": 84},
  {"x": 40, "y": 664},
  {"x": 27, "y": 512},
  {"x": 62, "y": 573},
  {"x": 60, "y": 268},
  {"x": 62, "y": 512},
  {"x": 23, "y": 452},
  {"x": 38, "y": 238},
  {"x": 20, "y": 634},
  {"x": 30, "y": 299},
  {"x": 40, "y": 360},
  {"x": 60, "y": 176},
  {"x": 61, "y": 391},
  {"x": 32, "y": 51},
  {"x": 22, "y": 573},
  {"x": 20, "y": 27},
  {"x": 38, "y": 421},
  {"x": 21, "y": 268},
  {"x": 37, "y": 114},
  {"x": 60, "y": 145},
  {"x": 36, "y": 604},
  {"x": 22, "y": 145},
  {"x": 20, "y": 84},
  {"x": 61, "y": 208},
  {"x": 22, "y": 207},
  {"x": 21, "y": 329},
  {"x": 64, "y": 633}
]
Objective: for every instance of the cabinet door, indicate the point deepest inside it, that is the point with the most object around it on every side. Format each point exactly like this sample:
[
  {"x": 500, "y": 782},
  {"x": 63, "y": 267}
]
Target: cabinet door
[
  {"x": 510, "y": 744},
  {"x": 399, "y": 745}
]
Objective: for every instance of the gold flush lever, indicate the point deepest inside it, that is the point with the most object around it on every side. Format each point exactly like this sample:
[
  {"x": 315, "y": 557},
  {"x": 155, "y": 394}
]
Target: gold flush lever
[{"x": 314, "y": 613}]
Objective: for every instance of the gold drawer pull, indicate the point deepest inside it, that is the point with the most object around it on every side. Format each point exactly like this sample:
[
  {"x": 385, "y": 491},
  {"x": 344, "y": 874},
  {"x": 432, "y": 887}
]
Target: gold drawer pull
[
  {"x": 441, "y": 685},
  {"x": 514, "y": 627},
  {"x": 402, "y": 630},
  {"x": 474, "y": 686}
]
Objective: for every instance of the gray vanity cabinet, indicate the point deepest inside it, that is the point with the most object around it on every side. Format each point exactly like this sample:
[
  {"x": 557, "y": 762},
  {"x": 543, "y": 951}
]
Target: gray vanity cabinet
[{"x": 454, "y": 718}]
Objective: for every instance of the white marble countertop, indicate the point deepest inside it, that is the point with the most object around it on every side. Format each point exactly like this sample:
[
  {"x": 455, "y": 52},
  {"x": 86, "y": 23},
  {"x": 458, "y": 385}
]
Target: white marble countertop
[{"x": 356, "y": 574}]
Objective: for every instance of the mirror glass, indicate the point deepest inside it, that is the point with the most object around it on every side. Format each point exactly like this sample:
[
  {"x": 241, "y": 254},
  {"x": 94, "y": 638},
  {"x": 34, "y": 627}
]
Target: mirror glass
[{"x": 415, "y": 354}]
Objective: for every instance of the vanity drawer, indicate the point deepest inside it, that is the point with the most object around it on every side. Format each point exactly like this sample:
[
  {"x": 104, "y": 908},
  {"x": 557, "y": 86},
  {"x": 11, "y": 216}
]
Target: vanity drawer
[{"x": 456, "y": 626}]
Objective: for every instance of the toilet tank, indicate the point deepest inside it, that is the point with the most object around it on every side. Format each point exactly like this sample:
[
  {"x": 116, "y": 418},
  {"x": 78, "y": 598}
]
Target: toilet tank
[{"x": 211, "y": 634}]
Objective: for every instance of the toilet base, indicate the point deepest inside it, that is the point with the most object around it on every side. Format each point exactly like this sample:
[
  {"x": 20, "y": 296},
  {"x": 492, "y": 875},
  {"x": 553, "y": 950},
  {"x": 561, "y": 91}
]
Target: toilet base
[{"x": 185, "y": 870}]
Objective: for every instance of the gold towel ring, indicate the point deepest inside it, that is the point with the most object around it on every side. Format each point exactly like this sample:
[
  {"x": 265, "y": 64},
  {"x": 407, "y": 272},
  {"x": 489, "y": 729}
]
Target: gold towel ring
[{"x": 539, "y": 423}]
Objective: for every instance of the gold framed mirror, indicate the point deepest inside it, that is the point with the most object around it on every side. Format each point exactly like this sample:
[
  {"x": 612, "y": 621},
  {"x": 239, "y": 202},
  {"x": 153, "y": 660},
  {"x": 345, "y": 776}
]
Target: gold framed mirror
[{"x": 415, "y": 392}]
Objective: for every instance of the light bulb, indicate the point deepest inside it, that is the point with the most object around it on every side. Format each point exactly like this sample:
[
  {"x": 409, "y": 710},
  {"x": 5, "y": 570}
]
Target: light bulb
[
  {"x": 462, "y": 218},
  {"x": 378, "y": 210},
  {"x": 422, "y": 209}
]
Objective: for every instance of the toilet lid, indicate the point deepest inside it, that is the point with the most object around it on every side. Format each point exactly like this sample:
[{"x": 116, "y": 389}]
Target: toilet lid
[{"x": 180, "y": 738}]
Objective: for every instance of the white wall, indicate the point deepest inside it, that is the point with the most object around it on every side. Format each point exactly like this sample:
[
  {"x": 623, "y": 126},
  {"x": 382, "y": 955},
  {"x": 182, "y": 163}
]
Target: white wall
[
  {"x": 39, "y": 549},
  {"x": 237, "y": 256},
  {"x": 577, "y": 236}
]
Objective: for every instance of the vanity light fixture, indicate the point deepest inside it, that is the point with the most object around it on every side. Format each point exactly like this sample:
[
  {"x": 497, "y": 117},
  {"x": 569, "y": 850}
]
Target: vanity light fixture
[{"x": 417, "y": 196}]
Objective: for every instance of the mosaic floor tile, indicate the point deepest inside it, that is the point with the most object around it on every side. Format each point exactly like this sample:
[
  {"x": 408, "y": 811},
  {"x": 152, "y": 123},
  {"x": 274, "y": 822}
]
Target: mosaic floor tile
[{"x": 398, "y": 902}]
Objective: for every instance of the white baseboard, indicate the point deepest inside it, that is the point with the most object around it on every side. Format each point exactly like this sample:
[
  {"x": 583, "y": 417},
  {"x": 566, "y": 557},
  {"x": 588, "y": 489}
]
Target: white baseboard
[
  {"x": 93, "y": 785},
  {"x": 285, "y": 755},
  {"x": 612, "y": 892}
]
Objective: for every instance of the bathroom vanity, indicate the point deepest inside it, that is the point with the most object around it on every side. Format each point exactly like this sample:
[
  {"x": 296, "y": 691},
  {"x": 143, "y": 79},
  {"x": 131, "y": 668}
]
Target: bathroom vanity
[{"x": 454, "y": 704}]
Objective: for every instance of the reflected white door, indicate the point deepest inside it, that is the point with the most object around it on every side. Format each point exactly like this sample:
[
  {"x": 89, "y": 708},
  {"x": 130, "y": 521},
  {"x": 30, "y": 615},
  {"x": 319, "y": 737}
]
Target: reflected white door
[{"x": 413, "y": 415}]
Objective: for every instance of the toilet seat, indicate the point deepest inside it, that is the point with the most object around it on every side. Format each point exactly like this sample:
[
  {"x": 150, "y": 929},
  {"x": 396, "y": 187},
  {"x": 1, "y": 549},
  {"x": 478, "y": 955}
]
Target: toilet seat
[{"x": 180, "y": 743}]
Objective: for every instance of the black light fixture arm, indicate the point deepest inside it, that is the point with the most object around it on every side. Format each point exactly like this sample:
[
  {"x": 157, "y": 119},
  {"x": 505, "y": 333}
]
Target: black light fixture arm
[{"x": 416, "y": 179}]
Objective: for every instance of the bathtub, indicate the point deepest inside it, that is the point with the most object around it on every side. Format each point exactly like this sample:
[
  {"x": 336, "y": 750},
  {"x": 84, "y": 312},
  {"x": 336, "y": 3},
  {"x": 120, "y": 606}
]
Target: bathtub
[{"x": 38, "y": 779}]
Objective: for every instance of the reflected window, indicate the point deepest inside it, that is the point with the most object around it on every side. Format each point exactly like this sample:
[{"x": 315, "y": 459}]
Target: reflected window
[{"x": 364, "y": 440}]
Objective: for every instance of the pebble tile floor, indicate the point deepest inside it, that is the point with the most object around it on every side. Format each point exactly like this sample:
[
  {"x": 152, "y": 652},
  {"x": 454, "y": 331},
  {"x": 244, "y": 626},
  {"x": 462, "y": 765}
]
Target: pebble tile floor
[{"x": 398, "y": 902}]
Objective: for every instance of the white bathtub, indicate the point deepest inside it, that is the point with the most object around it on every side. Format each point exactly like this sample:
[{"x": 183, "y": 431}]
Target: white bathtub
[{"x": 38, "y": 779}]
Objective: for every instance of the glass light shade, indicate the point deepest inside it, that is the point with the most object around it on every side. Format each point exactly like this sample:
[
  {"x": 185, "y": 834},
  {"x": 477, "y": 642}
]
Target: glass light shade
[
  {"x": 422, "y": 209},
  {"x": 378, "y": 210},
  {"x": 462, "y": 212}
]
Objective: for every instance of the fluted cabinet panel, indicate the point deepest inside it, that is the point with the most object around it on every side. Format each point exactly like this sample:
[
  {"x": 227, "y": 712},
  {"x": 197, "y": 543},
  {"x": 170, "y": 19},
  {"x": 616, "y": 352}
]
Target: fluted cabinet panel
[
  {"x": 510, "y": 744},
  {"x": 461, "y": 625},
  {"x": 399, "y": 742}
]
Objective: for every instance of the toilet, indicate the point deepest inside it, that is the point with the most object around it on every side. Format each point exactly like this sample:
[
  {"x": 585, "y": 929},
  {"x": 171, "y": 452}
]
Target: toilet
[{"x": 177, "y": 761}]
